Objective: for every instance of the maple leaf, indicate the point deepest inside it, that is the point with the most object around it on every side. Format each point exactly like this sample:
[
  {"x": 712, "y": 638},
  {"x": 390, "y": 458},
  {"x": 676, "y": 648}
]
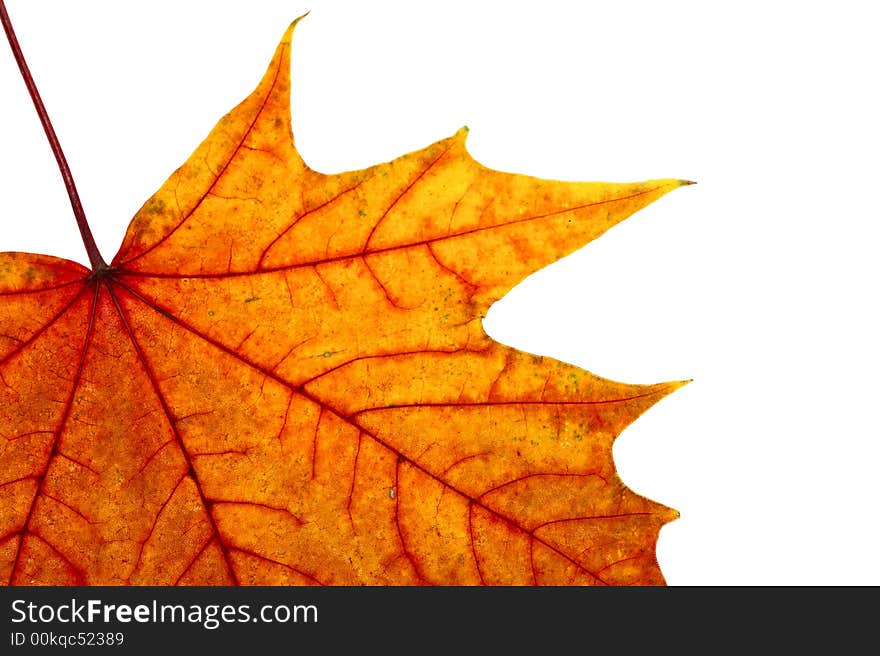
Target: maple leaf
[{"x": 282, "y": 378}]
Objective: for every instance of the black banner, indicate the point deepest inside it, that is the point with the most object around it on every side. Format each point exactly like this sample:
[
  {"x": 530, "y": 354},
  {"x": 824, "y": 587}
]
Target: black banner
[{"x": 430, "y": 620}]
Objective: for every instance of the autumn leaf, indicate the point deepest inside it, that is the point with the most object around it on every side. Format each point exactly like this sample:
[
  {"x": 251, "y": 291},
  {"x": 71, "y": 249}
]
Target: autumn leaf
[{"x": 282, "y": 378}]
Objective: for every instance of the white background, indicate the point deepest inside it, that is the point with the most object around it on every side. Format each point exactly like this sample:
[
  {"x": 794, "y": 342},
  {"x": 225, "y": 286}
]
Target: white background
[{"x": 760, "y": 282}]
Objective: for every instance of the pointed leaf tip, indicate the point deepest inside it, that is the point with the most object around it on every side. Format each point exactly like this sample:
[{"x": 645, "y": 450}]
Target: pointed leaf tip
[
  {"x": 288, "y": 33},
  {"x": 674, "y": 385},
  {"x": 298, "y": 19}
]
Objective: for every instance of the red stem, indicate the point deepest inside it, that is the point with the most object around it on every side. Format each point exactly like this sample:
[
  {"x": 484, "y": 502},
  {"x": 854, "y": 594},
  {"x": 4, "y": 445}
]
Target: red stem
[{"x": 98, "y": 263}]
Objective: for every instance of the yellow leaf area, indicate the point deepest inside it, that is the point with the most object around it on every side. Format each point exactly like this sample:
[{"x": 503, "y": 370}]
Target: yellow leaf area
[{"x": 283, "y": 379}]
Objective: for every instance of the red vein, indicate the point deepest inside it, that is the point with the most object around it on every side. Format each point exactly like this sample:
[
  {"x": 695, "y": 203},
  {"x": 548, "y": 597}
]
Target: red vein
[
  {"x": 463, "y": 460},
  {"x": 76, "y": 462},
  {"x": 155, "y": 523},
  {"x": 532, "y": 559},
  {"x": 80, "y": 578},
  {"x": 301, "y": 217},
  {"x": 401, "y": 195},
  {"x": 259, "y": 504},
  {"x": 384, "y": 289},
  {"x": 148, "y": 461},
  {"x": 151, "y": 375},
  {"x": 29, "y": 434},
  {"x": 396, "y": 489},
  {"x": 397, "y": 247},
  {"x": 62, "y": 422},
  {"x": 278, "y": 562},
  {"x": 353, "y": 477},
  {"x": 40, "y": 290},
  {"x": 19, "y": 480},
  {"x": 590, "y": 518},
  {"x": 519, "y": 479},
  {"x": 458, "y": 276},
  {"x": 376, "y": 356},
  {"x": 315, "y": 442},
  {"x": 194, "y": 559},
  {"x": 473, "y": 540},
  {"x": 286, "y": 416},
  {"x": 617, "y": 562},
  {"x": 500, "y": 403},
  {"x": 68, "y": 506},
  {"x": 21, "y": 346}
]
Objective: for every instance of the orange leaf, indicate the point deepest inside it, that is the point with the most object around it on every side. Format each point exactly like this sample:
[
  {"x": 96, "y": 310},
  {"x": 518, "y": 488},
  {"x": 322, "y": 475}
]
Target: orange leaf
[{"x": 283, "y": 378}]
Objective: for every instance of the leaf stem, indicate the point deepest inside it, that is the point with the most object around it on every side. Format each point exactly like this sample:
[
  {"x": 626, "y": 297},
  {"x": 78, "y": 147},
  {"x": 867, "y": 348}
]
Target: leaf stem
[{"x": 98, "y": 263}]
